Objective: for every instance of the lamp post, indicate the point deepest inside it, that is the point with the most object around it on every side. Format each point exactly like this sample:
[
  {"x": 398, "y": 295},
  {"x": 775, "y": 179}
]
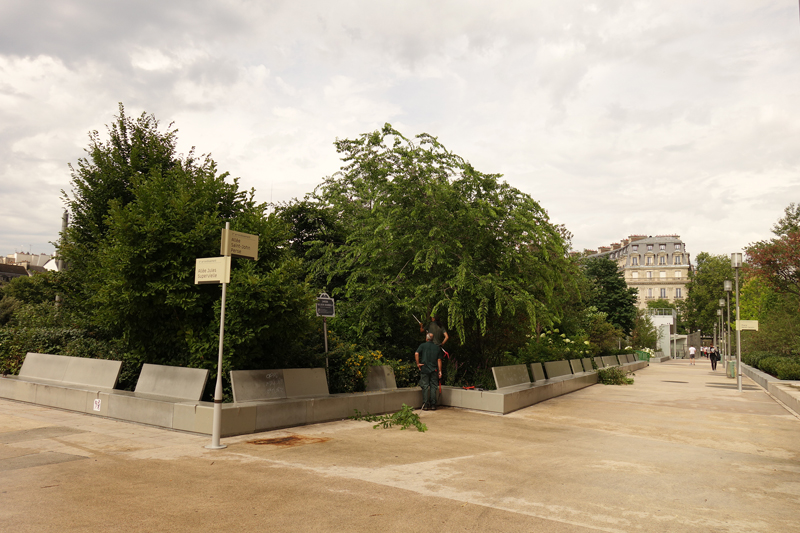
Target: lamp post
[
  {"x": 736, "y": 263},
  {"x": 728, "y": 285},
  {"x": 719, "y": 328}
]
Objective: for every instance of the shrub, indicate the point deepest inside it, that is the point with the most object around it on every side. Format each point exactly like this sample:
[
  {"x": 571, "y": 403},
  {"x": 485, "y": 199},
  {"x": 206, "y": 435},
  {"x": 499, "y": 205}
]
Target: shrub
[
  {"x": 781, "y": 367},
  {"x": 613, "y": 376}
]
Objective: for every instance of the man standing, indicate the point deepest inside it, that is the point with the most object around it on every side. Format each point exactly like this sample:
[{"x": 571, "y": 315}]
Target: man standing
[
  {"x": 440, "y": 335},
  {"x": 692, "y": 351},
  {"x": 429, "y": 362}
]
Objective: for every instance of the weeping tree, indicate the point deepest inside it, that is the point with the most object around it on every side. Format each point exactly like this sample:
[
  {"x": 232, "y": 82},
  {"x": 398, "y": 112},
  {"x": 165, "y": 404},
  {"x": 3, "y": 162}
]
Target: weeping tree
[{"x": 423, "y": 232}]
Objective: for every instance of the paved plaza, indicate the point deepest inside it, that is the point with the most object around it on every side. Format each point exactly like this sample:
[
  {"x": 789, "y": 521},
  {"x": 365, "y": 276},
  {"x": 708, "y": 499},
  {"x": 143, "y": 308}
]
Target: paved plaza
[{"x": 680, "y": 450}]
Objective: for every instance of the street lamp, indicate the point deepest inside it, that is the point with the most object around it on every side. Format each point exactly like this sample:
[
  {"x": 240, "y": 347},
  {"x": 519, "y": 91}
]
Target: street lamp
[
  {"x": 728, "y": 284},
  {"x": 719, "y": 328},
  {"x": 736, "y": 263}
]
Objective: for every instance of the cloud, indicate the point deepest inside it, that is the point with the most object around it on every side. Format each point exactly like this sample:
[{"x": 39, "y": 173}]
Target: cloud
[{"x": 618, "y": 117}]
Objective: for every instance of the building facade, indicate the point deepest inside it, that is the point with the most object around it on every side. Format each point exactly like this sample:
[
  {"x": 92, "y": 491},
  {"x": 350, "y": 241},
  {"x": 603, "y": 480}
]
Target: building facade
[{"x": 658, "y": 266}]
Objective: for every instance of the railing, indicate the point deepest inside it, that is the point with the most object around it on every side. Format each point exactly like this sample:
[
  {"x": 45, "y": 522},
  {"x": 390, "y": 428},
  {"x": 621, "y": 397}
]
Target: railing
[{"x": 661, "y": 312}]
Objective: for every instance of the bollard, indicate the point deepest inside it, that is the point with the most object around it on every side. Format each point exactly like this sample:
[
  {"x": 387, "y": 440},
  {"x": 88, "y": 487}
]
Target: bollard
[{"x": 731, "y": 373}]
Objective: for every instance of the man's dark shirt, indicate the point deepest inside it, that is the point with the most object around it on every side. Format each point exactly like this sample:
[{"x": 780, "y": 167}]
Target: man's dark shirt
[{"x": 429, "y": 354}]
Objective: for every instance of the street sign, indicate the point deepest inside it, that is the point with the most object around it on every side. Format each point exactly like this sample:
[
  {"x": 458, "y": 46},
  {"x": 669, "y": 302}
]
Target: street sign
[
  {"x": 325, "y": 306},
  {"x": 211, "y": 270},
  {"x": 238, "y": 244},
  {"x": 744, "y": 325}
]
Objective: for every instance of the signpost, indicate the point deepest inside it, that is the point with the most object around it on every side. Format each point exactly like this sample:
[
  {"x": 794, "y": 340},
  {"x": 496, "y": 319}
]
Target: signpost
[
  {"x": 745, "y": 325},
  {"x": 218, "y": 270},
  {"x": 212, "y": 270},
  {"x": 326, "y": 307},
  {"x": 238, "y": 244}
]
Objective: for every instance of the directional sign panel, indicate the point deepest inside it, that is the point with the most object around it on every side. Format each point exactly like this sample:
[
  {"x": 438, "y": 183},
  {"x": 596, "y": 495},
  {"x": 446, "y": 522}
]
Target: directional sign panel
[
  {"x": 210, "y": 270},
  {"x": 325, "y": 306},
  {"x": 238, "y": 244},
  {"x": 743, "y": 325}
]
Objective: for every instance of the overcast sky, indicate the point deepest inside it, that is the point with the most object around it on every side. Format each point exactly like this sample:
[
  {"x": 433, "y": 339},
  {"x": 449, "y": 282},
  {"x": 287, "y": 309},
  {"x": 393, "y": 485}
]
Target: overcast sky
[{"x": 621, "y": 117}]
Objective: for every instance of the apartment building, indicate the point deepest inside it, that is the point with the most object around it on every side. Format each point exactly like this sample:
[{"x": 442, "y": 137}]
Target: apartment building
[{"x": 658, "y": 266}]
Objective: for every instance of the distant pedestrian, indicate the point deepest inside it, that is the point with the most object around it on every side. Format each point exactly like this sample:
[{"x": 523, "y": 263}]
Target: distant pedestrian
[
  {"x": 714, "y": 357},
  {"x": 429, "y": 362},
  {"x": 692, "y": 351}
]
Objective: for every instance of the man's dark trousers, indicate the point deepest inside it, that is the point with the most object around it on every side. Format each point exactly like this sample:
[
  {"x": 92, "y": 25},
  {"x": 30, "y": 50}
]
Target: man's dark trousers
[{"x": 429, "y": 381}]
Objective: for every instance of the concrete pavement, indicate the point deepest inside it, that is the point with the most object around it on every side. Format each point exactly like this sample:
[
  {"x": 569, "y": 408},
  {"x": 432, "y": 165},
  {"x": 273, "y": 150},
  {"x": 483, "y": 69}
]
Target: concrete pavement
[{"x": 680, "y": 450}]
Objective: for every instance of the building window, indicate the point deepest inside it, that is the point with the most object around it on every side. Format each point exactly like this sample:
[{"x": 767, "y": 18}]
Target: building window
[
  {"x": 678, "y": 293},
  {"x": 634, "y": 275},
  {"x": 662, "y": 246},
  {"x": 662, "y": 274},
  {"x": 634, "y": 261},
  {"x": 649, "y": 247},
  {"x": 649, "y": 293},
  {"x": 635, "y": 247},
  {"x": 678, "y": 274},
  {"x": 678, "y": 260},
  {"x": 662, "y": 260},
  {"x": 649, "y": 274},
  {"x": 663, "y": 293},
  {"x": 677, "y": 246},
  {"x": 649, "y": 260}
]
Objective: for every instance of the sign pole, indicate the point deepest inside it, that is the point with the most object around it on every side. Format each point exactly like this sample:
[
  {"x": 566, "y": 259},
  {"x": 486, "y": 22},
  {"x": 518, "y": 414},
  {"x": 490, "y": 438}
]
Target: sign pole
[
  {"x": 325, "y": 333},
  {"x": 216, "y": 425},
  {"x": 326, "y": 307}
]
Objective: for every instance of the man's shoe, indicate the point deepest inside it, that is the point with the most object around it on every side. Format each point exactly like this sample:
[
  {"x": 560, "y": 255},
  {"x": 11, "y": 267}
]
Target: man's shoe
[
  {"x": 424, "y": 406},
  {"x": 432, "y": 408}
]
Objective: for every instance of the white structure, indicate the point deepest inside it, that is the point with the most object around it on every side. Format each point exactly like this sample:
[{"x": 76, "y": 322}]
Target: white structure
[
  {"x": 657, "y": 266},
  {"x": 664, "y": 320},
  {"x": 23, "y": 259}
]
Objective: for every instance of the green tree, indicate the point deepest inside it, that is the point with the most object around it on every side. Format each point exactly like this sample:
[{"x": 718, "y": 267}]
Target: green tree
[
  {"x": 136, "y": 281},
  {"x": 789, "y": 222},
  {"x": 427, "y": 233},
  {"x": 704, "y": 290},
  {"x": 660, "y": 304},
  {"x": 777, "y": 261},
  {"x": 610, "y": 294},
  {"x": 644, "y": 333},
  {"x": 771, "y": 291}
]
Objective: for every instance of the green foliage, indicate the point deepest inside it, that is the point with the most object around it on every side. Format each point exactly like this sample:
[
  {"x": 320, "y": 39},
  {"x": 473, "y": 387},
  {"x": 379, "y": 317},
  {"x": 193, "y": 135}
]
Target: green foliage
[
  {"x": 142, "y": 215},
  {"x": 8, "y": 306},
  {"x": 427, "y": 233},
  {"x": 778, "y": 320},
  {"x": 661, "y": 304},
  {"x": 789, "y": 222},
  {"x": 777, "y": 261},
  {"x": 613, "y": 376},
  {"x": 610, "y": 294},
  {"x": 704, "y": 290},
  {"x": 39, "y": 288},
  {"x": 782, "y": 367},
  {"x": 644, "y": 333},
  {"x": 405, "y": 418},
  {"x": 349, "y": 363}
]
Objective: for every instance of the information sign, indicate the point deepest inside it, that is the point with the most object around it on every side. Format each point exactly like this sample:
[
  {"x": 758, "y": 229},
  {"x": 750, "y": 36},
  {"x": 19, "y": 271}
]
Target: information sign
[
  {"x": 210, "y": 270},
  {"x": 325, "y": 306},
  {"x": 744, "y": 325},
  {"x": 238, "y": 244}
]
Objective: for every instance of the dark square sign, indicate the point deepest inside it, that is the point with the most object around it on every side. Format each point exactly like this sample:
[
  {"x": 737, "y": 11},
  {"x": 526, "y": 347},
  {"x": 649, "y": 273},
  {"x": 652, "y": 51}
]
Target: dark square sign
[{"x": 325, "y": 306}]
